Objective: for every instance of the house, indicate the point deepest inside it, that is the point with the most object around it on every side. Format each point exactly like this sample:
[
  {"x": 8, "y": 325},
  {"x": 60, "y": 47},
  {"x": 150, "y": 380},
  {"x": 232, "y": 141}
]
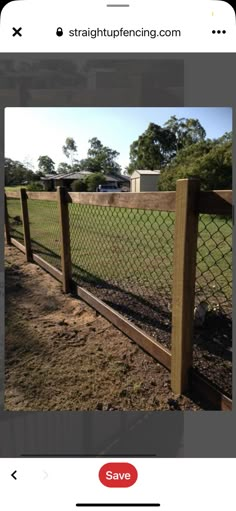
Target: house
[
  {"x": 51, "y": 181},
  {"x": 145, "y": 180}
]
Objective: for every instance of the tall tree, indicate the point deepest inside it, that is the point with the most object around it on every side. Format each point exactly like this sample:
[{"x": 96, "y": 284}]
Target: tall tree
[
  {"x": 46, "y": 165},
  {"x": 64, "y": 168},
  {"x": 70, "y": 150},
  {"x": 186, "y": 131},
  {"x": 209, "y": 160},
  {"x": 101, "y": 159},
  {"x": 156, "y": 147},
  {"x": 152, "y": 149},
  {"x": 16, "y": 173}
]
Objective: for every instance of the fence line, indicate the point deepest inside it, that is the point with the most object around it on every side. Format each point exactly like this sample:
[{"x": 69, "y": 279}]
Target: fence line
[
  {"x": 187, "y": 203},
  {"x": 185, "y": 249},
  {"x": 216, "y": 202}
]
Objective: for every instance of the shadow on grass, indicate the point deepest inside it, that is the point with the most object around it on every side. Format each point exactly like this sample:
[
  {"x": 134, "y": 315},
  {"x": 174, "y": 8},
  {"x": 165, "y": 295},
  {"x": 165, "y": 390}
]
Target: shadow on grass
[{"x": 41, "y": 250}]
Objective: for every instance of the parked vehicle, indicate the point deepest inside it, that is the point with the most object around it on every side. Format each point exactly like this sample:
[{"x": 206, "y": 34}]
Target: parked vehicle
[{"x": 108, "y": 188}]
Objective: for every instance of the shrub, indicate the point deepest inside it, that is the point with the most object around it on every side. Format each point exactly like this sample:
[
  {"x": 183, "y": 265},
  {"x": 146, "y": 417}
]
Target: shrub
[
  {"x": 79, "y": 186},
  {"x": 94, "y": 181},
  {"x": 35, "y": 186}
]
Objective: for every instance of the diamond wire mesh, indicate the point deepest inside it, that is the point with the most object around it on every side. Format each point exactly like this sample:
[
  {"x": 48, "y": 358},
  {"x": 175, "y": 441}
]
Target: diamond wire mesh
[
  {"x": 213, "y": 339},
  {"x": 15, "y": 219},
  {"x": 45, "y": 230},
  {"x": 214, "y": 263},
  {"x": 124, "y": 256}
]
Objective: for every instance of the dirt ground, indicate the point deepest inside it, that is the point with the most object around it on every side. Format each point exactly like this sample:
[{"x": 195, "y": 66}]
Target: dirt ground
[{"x": 62, "y": 355}]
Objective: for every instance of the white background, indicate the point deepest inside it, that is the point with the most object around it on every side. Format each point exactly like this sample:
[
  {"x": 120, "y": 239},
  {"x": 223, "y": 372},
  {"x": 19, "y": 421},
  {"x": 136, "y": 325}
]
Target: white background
[{"x": 196, "y": 20}]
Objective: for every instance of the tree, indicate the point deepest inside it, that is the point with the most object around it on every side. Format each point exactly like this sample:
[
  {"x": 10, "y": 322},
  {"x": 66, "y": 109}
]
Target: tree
[
  {"x": 35, "y": 186},
  {"x": 157, "y": 146},
  {"x": 70, "y": 149},
  {"x": 186, "y": 131},
  {"x": 79, "y": 186},
  {"x": 209, "y": 160},
  {"x": 16, "y": 173},
  {"x": 100, "y": 159},
  {"x": 64, "y": 168},
  {"x": 94, "y": 181},
  {"x": 46, "y": 165},
  {"x": 152, "y": 149},
  {"x": 38, "y": 174}
]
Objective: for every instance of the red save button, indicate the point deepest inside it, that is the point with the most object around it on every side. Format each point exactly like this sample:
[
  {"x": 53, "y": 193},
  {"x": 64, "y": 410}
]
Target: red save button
[{"x": 118, "y": 475}]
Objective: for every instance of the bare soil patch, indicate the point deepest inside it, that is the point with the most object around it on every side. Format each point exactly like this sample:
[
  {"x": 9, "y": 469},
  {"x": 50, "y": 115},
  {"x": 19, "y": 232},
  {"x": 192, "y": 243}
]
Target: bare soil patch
[{"x": 62, "y": 355}]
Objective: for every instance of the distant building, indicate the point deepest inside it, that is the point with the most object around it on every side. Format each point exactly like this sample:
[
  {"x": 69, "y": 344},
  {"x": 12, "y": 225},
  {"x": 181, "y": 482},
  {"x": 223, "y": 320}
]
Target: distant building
[
  {"x": 51, "y": 181},
  {"x": 145, "y": 180}
]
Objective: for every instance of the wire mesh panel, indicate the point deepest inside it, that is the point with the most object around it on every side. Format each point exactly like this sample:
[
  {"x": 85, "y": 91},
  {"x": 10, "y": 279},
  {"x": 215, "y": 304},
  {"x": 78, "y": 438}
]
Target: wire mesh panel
[
  {"x": 213, "y": 322},
  {"x": 45, "y": 230},
  {"x": 124, "y": 256},
  {"x": 15, "y": 219}
]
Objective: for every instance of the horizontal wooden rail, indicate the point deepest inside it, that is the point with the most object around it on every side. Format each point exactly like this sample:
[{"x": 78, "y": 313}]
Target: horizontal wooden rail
[
  {"x": 18, "y": 245},
  {"x": 209, "y": 393},
  {"x": 154, "y": 348},
  {"x": 217, "y": 202},
  {"x": 48, "y": 267},
  {"x": 49, "y": 196},
  {"x": 13, "y": 195},
  {"x": 156, "y": 201},
  {"x": 57, "y": 274}
]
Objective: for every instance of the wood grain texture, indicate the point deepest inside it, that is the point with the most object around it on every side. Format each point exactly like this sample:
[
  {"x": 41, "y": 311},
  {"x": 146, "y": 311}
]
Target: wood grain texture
[
  {"x": 57, "y": 274},
  {"x": 184, "y": 273},
  {"x": 204, "y": 389},
  {"x": 64, "y": 223},
  {"x": 156, "y": 201},
  {"x": 218, "y": 202},
  {"x": 18, "y": 245},
  {"x": 13, "y": 195},
  {"x": 26, "y": 225},
  {"x": 7, "y": 226},
  {"x": 49, "y": 196}
]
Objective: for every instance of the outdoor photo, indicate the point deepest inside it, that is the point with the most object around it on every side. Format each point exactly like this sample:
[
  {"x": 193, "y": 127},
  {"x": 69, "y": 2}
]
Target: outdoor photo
[{"x": 118, "y": 259}]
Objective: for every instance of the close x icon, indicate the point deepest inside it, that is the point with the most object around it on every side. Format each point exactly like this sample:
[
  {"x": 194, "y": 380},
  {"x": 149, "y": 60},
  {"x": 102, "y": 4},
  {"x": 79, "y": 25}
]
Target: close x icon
[{"x": 16, "y": 31}]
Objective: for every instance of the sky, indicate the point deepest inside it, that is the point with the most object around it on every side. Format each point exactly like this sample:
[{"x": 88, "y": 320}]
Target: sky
[{"x": 34, "y": 132}]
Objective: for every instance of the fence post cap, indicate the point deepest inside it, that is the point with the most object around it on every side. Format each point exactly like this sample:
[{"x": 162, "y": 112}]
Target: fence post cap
[{"x": 186, "y": 179}]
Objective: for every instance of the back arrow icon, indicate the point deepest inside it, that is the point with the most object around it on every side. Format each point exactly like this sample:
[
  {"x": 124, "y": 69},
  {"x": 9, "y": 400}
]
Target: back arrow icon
[{"x": 13, "y": 475}]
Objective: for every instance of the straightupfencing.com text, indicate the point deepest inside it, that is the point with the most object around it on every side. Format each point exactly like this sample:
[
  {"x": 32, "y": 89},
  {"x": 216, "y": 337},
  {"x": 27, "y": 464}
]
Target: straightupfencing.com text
[{"x": 122, "y": 32}]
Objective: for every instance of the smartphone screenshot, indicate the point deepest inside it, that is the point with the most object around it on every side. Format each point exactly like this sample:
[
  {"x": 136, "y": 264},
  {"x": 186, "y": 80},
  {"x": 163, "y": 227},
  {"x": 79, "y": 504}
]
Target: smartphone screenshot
[{"x": 117, "y": 150}]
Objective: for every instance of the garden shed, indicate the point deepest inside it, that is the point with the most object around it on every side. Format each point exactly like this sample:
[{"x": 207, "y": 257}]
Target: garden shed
[{"x": 145, "y": 180}]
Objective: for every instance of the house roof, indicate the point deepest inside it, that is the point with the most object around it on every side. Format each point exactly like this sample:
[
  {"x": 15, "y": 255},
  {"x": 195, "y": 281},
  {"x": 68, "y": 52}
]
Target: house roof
[
  {"x": 83, "y": 173},
  {"x": 119, "y": 178},
  {"x": 74, "y": 175},
  {"x": 148, "y": 172},
  {"x": 71, "y": 175}
]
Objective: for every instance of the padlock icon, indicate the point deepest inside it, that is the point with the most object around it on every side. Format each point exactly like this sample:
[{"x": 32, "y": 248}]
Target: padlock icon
[{"x": 59, "y": 32}]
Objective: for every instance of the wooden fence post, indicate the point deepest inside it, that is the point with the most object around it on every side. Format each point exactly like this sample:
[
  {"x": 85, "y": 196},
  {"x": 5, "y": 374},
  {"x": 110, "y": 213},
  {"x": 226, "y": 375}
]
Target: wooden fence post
[
  {"x": 26, "y": 227},
  {"x": 7, "y": 226},
  {"x": 65, "y": 238},
  {"x": 184, "y": 274}
]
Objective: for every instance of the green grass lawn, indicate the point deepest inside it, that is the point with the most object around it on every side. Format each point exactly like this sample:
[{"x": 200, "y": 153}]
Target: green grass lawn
[{"x": 132, "y": 249}]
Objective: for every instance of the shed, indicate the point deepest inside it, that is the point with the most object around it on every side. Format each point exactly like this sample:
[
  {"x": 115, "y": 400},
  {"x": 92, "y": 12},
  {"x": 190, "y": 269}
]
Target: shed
[{"x": 145, "y": 180}]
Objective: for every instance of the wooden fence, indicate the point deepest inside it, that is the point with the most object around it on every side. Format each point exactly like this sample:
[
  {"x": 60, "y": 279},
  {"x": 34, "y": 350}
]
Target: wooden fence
[{"x": 187, "y": 203}]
